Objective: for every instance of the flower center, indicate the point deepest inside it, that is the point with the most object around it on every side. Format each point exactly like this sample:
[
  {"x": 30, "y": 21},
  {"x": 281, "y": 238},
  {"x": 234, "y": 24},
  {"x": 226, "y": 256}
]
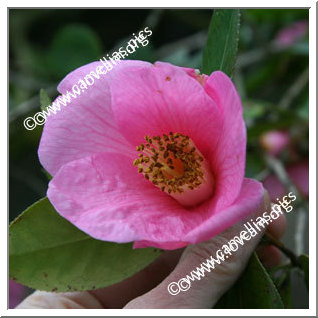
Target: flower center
[{"x": 174, "y": 164}]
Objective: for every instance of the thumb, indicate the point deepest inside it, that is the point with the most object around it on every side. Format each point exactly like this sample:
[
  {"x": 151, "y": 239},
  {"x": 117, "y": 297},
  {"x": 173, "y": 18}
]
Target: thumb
[{"x": 205, "y": 291}]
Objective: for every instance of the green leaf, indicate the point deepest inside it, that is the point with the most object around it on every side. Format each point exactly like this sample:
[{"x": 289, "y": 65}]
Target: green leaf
[
  {"x": 44, "y": 102},
  {"x": 285, "y": 291},
  {"x": 49, "y": 177},
  {"x": 221, "y": 47},
  {"x": 254, "y": 289},
  {"x": 47, "y": 252},
  {"x": 44, "y": 99},
  {"x": 73, "y": 46},
  {"x": 281, "y": 277},
  {"x": 304, "y": 263}
]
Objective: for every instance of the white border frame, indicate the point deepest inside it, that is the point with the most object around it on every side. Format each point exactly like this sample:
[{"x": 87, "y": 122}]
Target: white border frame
[{"x": 244, "y": 4}]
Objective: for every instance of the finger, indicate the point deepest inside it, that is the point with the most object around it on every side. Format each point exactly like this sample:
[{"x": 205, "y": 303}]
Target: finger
[
  {"x": 277, "y": 227},
  {"x": 48, "y": 300},
  {"x": 270, "y": 256},
  {"x": 204, "y": 292}
]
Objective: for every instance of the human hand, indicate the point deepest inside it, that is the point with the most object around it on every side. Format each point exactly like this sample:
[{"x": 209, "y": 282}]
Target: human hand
[{"x": 148, "y": 288}]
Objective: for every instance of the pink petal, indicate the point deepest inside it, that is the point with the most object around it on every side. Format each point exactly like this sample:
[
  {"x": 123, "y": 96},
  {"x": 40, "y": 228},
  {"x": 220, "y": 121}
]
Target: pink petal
[
  {"x": 247, "y": 202},
  {"x": 163, "y": 98},
  {"x": 86, "y": 125},
  {"x": 201, "y": 78},
  {"x": 81, "y": 72},
  {"x": 161, "y": 245},
  {"x": 229, "y": 156},
  {"x": 104, "y": 196}
]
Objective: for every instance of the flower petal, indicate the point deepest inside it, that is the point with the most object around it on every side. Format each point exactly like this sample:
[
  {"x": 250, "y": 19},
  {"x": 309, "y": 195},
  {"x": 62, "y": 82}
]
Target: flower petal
[
  {"x": 229, "y": 156},
  {"x": 86, "y": 125},
  {"x": 247, "y": 202},
  {"x": 72, "y": 78},
  {"x": 164, "y": 98},
  {"x": 104, "y": 196},
  {"x": 161, "y": 245}
]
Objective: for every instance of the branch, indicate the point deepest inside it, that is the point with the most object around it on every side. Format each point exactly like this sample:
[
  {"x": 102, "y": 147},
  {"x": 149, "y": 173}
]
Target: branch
[{"x": 294, "y": 90}]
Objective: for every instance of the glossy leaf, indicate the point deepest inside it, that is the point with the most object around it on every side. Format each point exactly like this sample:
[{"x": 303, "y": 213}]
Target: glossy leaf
[
  {"x": 221, "y": 47},
  {"x": 282, "y": 278},
  {"x": 254, "y": 289},
  {"x": 73, "y": 46},
  {"x": 44, "y": 102},
  {"x": 304, "y": 263},
  {"x": 44, "y": 99},
  {"x": 48, "y": 253}
]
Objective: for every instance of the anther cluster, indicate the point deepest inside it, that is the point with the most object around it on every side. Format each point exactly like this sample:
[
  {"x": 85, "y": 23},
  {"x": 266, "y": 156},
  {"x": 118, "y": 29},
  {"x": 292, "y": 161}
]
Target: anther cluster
[{"x": 171, "y": 162}]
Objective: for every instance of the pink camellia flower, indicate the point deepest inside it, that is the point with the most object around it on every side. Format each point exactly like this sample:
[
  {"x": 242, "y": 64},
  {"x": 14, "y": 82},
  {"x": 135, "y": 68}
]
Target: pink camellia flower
[
  {"x": 275, "y": 141},
  {"x": 153, "y": 154},
  {"x": 292, "y": 33}
]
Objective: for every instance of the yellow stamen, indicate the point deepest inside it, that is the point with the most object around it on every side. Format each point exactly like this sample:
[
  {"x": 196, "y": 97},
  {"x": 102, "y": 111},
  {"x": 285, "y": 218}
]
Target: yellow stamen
[{"x": 171, "y": 162}]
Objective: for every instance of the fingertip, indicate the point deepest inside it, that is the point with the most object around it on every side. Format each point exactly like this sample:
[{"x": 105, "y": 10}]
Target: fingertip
[
  {"x": 270, "y": 256},
  {"x": 278, "y": 226}
]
